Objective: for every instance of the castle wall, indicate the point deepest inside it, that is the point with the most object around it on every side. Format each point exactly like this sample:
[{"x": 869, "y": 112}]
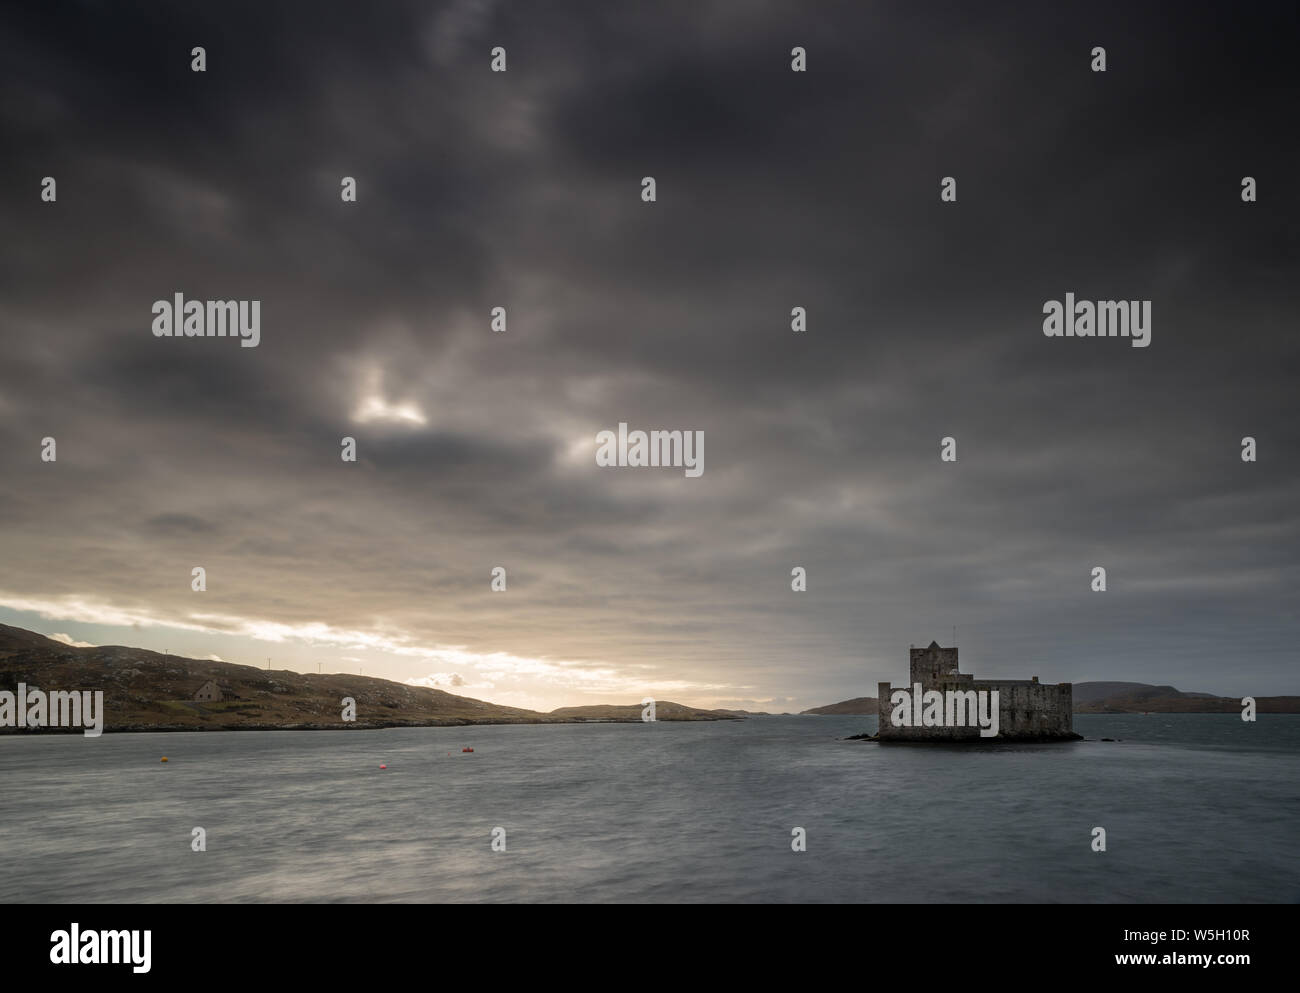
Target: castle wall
[{"x": 1026, "y": 710}]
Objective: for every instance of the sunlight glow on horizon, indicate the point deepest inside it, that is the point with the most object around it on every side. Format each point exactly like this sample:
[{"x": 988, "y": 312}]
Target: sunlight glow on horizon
[{"x": 503, "y": 678}]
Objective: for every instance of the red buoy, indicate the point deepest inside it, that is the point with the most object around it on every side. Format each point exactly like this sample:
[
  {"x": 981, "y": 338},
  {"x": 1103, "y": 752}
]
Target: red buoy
[{"x": 467, "y": 749}]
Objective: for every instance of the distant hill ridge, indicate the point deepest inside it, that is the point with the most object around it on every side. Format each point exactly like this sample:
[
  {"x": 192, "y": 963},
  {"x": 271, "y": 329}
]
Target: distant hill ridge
[
  {"x": 149, "y": 691},
  {"x": 1120, "y": 698},
  {"x": 858, "y": 705}
]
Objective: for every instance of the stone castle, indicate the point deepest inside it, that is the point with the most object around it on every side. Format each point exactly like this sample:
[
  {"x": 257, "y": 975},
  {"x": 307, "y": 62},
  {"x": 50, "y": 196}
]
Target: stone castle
[{"x": 1027, "y": 710}]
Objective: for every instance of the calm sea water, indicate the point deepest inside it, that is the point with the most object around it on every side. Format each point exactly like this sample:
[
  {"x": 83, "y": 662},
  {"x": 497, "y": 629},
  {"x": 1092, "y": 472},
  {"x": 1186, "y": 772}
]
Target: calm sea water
[{"x": 1196, "y": 808}]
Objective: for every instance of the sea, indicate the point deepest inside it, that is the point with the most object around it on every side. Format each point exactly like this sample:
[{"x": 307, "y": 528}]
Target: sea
[{"x": 1192, "y": 808}]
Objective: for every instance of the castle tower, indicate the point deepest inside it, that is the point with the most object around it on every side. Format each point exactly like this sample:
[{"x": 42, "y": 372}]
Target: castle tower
[{"x": 933, "y": 664}]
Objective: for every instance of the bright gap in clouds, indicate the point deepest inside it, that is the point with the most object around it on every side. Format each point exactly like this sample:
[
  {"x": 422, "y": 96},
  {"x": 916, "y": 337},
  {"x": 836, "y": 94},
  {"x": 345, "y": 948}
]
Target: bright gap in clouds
[{"x": 373, "y": 406}]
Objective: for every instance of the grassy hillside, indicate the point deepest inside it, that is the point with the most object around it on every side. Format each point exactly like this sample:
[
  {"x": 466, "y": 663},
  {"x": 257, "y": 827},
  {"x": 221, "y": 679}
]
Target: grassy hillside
[{"x": 146, "y": 691}]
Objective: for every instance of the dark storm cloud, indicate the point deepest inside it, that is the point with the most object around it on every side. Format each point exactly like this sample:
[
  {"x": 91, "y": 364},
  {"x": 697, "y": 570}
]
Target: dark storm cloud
[{"x": 776, "y": 189}]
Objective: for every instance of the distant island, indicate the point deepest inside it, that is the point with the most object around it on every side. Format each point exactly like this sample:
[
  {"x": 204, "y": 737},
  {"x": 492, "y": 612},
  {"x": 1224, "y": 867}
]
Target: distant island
[
  {"x": 1119, "y": 698},
  {"x": 858, "y": 705},
  {"x": 149, "y": 691}
]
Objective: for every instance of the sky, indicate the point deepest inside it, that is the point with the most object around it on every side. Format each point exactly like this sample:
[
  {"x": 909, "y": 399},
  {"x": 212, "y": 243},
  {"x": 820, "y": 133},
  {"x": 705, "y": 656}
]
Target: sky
[{"x": 775, "y": 189}]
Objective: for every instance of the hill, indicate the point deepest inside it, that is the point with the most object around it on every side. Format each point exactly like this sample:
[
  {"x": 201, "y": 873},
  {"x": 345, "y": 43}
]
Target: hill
[
  {"x": 147, "y": 691},
  {"x": 1086, "y": 693},
  {"x": 1122, "y": 698},
  {"x": 1135, "y": 698},
  {"x": 665, "y": 710},
  {"x": 858, "y": 705}
]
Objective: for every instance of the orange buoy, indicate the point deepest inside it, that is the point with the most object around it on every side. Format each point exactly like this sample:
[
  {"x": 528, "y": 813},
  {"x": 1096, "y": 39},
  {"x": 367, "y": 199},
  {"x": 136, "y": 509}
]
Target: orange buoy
[{"x": 164, "y": 758}]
